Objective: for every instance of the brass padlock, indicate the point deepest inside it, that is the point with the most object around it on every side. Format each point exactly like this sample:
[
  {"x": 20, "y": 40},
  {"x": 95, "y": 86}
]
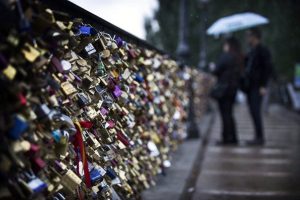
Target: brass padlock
[
  {"x": 30, "y": 53},
  {"x": 71, "y": 181},
  {"x": 10, "y": 72},
  {"x": 68, "y": 88}
]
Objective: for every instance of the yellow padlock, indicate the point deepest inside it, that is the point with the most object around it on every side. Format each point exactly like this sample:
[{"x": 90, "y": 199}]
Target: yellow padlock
[{"x": 10, "y": 72}]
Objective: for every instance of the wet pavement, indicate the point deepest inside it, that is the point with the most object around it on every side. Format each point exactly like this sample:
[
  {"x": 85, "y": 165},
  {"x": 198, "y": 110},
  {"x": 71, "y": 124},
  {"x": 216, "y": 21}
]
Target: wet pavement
[
  {"x": 171, "y": 186},
  {"x": 205, "y": 171},
  {"x": 264, "y": 172}
]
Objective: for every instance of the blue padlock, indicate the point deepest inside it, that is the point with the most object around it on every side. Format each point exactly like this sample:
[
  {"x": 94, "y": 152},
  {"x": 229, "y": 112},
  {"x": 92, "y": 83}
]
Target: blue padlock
[
  {"x": 20, "y": 126},
  {"x": 95, "y": 176},
  {"x": 86, "y": 30},
  {"x": 111, "y": 173},
  {"x": 37, "y": 185},
  {"x": 138, "y": 78},
  {"x": 119, "y": 42}
]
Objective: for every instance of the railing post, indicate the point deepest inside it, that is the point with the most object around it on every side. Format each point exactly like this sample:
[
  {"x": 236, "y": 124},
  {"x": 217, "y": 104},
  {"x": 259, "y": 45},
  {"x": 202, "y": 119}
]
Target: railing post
[
  {"x": 202, "y": 32},
  {"x": 183, "y": 47},
  {"x": 183, "y": 53}
]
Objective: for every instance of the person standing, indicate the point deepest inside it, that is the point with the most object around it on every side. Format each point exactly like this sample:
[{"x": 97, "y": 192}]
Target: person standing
[
  {"x": 258, "y": 69},
  {"x": 227, "y": 71}
]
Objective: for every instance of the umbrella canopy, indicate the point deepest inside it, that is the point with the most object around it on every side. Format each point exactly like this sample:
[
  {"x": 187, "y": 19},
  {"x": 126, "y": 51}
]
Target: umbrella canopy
[{"x": 236, "y": 22}]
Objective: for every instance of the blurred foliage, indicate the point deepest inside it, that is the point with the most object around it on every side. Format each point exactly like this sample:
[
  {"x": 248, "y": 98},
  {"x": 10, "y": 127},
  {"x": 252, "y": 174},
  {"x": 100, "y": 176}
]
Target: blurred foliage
[{"x": 282, "y": 35}]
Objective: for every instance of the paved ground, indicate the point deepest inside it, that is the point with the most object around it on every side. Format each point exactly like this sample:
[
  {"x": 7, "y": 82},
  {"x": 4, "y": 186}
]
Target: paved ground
[
  {"x": 204, "y": 171},
  {"x": 170, "y": 187},
  {"x": 253, "y": 173}
]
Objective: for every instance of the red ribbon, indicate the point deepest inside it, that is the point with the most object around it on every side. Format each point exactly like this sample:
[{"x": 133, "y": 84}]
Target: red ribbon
[{"x": 78, "y": 143}]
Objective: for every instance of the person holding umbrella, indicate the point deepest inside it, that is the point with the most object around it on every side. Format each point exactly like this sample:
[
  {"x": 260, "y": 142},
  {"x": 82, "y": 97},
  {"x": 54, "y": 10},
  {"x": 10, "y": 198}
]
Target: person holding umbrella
[
  {"x": 257, "y": 72},
  {"x": 227, "y": 71},
  {"x": 258, "y": 67}
]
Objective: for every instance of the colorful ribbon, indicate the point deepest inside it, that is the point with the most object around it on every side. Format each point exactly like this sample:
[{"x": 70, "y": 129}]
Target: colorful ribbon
[{"x": 78, "y": 143}]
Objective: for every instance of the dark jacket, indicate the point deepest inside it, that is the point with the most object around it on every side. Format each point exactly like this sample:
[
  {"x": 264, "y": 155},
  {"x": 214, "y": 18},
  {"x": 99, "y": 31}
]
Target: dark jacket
[
  {"x": 258, "y": 67},
  {"x": 228, "y": 71}
]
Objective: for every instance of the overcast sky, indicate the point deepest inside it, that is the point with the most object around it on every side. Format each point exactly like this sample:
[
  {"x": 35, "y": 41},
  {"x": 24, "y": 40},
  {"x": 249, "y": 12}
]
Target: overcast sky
[{"x": 126, "y": 14}]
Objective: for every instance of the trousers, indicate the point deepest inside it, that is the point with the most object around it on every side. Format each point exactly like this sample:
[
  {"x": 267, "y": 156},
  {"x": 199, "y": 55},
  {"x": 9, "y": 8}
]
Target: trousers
[
  {"x": 254, "y": 99},
  {"x": 226, "y": 105}
]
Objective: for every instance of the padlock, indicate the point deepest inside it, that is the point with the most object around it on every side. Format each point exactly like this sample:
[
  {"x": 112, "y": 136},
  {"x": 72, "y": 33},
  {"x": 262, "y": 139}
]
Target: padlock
[
  {"x": 90, "y": 49},
  {"x": 30, "y": 53},
  {"x": 19, "y": 127},
  {"x": 105, "y": 190},
  {"x": 101, "y": 71},
  {"x": 107, "y": 100},
  {"x": 68, "y": 88},
  {"x": 21, "y": 146},
  {"x": 71, "y": 181},
  {"x": 37, "y": 185},
  {"x": 96, "y": 176},
  {"x": 62, "y": 66},
  {"x": 93, "y": 141},
  {"x": 10, "y": 72},
  {"x": 103, "y": 111},
  {"x": 123, "y": 138},
  {"x": 126, "y": 74},
  {"x": 86, "y": 30},
  {"x": 111, "y": 173},
  {"x": 66, "y": 66},
  {"x": 114, "y": 74},
  {"x": 32, "y": 184},
  {"x": 117, "y": 91},
  {"x": 119, "y": 41},
  {"x": 83, "y": 99},
  {"x": 91, "y": 112}
]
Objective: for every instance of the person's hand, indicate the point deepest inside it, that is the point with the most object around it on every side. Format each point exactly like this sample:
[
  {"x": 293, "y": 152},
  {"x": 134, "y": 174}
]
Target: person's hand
[{"x": 262, "y": 91}]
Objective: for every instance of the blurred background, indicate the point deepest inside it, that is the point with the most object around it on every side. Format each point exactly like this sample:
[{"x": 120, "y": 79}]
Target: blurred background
[
  {"x": 281, "y": 35},
  {"x": 157, "y": 21}
]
